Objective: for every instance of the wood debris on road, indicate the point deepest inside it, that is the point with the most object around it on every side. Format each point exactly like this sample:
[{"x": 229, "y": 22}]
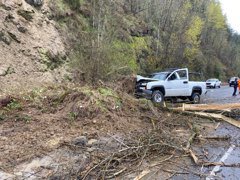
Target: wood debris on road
[{"x": 211, "y": 111}]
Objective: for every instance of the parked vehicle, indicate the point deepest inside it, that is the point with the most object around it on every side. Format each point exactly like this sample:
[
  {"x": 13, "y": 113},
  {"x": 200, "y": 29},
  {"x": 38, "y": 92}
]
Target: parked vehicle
[
  {"x": 173, "y": 83},
  {"x": 231, "y": 81},
  {"x": 213, "y": 83}
]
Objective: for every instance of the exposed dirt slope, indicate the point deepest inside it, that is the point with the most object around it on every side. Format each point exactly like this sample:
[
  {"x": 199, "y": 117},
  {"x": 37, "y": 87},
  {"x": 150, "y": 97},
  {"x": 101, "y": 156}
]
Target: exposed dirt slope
[{"x": 31, "y": 48}]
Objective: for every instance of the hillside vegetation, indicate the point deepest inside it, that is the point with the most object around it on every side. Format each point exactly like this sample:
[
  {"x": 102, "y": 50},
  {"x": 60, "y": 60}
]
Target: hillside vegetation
[{"x": 142, "y": 36}]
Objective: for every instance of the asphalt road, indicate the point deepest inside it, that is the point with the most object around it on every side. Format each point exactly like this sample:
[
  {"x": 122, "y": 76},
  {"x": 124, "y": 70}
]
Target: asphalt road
[
  {"x": 221, "y": 95},
  {"x": 226, "y": 152}
]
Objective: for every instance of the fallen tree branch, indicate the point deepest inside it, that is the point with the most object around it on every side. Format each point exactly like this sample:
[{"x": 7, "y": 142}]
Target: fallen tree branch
[
  {"x": 219, "y": 117},
  {"x": 142, "y": 174},
  {"x": 214, "y": 137},
  {"x": 190, "y": 140},
  {"x": 160, "y": 162},
  {"x": 173, "y": 171},
  {"x": 209, "y": 107},
  {"x": 236, "y": 165},
  {"x": 117, "y": 173},
  {"x": 194, "y": 157}
]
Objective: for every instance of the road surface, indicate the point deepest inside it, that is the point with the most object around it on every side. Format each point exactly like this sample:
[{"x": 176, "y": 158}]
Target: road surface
[
  {"x": 227, "y": 152},
  {"x": 221, "y": 95}
]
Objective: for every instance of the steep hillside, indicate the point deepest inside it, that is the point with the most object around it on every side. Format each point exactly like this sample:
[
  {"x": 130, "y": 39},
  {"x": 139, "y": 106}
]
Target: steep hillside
[
  {"x": 31, "y": 48},
  {"x": 102, "y": 40},
  {"x": 143, "y": 36}
]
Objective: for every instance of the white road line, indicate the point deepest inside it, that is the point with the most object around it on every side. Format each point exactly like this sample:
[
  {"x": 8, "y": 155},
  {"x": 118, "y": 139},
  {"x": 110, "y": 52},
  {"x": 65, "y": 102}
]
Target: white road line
[{"x": 223, "y": 159}]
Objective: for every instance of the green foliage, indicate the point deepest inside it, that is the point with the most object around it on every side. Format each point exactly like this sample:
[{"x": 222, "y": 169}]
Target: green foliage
[
  {"x": 23, "y": 117},
  {"x": 14, "y": 105},
  {"x": 74, "y": 4},
  {"x": 50, "y": 60},
  {"x": 109, "y": 39},
  {"x": 2, "y": 116},
  {"x": 106, "y": 92},
  {"x": 28, "y": 15},
  {"x": 123, "y": 58},
  {"x": 193, "y": 38},
  {"x": 215, "y": 15},
  {"x": 72, "y": 116}
]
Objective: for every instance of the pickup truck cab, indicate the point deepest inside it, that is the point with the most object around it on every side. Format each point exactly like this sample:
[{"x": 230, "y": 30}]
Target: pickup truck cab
[{"x": 173, "y": 83}]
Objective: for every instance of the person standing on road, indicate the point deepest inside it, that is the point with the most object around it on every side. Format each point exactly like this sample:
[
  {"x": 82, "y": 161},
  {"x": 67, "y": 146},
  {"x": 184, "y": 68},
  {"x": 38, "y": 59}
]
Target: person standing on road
[
  {"x": 239, "y": 86},
  {"x": 235, "y": 86}
]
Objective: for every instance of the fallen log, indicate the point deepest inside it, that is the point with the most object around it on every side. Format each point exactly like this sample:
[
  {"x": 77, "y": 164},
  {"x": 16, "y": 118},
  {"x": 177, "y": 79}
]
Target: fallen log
[
  {"x": 209, "y": 107},
  {"x": 219, "y": 117},
  {"x": 215, "y": 116},
  {"x": 215, "y": 137}
]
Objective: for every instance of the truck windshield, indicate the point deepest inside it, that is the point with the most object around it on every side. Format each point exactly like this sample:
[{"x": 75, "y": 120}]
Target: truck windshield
[
  {"x": 159, "y": 76},
  {"x": 211, "y": 80}
]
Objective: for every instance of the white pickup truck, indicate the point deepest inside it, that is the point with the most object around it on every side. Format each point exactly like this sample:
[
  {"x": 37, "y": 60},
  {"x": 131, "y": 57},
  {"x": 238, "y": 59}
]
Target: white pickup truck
[{"x": 173, "y": 83}]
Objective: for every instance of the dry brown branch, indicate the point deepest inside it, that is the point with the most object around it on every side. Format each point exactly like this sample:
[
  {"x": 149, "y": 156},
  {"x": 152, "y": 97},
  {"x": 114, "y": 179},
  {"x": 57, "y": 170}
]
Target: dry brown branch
[
  {"x": 218, "y": 124},
  {"x": 237, "y": 165},
  {"x": 94, "y": 167},
  {"x": 189, "y": 170},
  {"x": 209, "y": 107},
  {"x": 219, "y": 117},
  {"x": 142, "y": 174},
  {"x": 173, "y": 171},
  {"x": 117, "y": 173},
  {"x": 160, "y": 162},
  {"x": 190, "y": 140},
  {"x": 214, "y": 137},
  {"x": 171, "y": 176},
  {"x": 118, "y": 141},
  {"x": 194, "y": 157}
]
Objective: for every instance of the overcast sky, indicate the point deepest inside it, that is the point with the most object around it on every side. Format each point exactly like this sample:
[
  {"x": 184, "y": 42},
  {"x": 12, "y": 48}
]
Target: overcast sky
[{"x": 231, "y": 8}]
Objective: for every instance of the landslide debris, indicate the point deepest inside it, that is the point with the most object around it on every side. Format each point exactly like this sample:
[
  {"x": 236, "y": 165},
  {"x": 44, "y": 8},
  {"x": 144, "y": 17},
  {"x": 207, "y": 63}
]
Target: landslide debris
[{"x": 106, "y": 127}]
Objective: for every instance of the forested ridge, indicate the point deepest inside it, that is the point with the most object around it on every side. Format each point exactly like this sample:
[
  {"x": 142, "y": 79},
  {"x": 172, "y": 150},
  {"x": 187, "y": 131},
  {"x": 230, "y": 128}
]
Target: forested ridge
[{"x": 111, "y": 38}]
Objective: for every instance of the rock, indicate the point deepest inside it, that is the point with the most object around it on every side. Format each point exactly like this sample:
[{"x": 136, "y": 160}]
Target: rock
[
  {"x": 4, "y": 38},
  {"x": 90, "y": 149},
  {"x": 35, "y": 3},
  {"x": 14, "y": 37},
  {"x": 9, "y": 18},
  {"x": 5, "y": 101},
  {"x": 5, "y": 71},
  {"x": 6, "y": 7},
  {"x": 21, "y": 29},
  {"x": 80, "y": 141},
  {"x": 92, "y": 142},
  {"x": 2, "y": 72},
  {"x": 26, "y": 14}
]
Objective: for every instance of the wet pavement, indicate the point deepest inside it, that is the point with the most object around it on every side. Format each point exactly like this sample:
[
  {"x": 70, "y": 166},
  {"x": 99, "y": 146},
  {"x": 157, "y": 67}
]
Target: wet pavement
[
  {"x": 221, "y": 95},
  {"x": 227, "y": 152}
]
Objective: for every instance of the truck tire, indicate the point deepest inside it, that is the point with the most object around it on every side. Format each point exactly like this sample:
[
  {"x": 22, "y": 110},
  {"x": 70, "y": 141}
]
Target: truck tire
[
  {"x": 195, "y": 98},
  {"x": 157, "y": 97}
]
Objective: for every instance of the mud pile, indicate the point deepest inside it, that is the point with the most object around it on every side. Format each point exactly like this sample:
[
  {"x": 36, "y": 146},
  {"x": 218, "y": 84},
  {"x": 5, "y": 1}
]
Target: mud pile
[{"x": 86, "y": 125}]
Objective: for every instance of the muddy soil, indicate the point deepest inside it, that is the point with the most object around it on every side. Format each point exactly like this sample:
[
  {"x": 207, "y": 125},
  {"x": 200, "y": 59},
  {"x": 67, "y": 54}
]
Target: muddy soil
[{"x": 47, "y": 142}]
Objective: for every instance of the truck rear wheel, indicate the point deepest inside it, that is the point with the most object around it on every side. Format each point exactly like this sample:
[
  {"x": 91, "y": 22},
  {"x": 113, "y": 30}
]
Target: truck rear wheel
[
  {"x": 157, "y": 97},
  {"x": 195, "y": 98}
]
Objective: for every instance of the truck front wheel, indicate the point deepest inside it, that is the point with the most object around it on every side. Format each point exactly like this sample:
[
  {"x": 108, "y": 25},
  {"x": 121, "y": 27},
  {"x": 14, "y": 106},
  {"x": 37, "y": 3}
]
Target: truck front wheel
[
  {"x": 157, "y": 97},
  {"x": 195, "y": 98}
]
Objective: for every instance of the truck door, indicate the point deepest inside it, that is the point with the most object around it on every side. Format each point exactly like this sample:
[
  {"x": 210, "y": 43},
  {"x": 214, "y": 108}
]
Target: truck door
[
  {"x": 183, "y": 82},
  {"x": 177, "y": 83}
]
